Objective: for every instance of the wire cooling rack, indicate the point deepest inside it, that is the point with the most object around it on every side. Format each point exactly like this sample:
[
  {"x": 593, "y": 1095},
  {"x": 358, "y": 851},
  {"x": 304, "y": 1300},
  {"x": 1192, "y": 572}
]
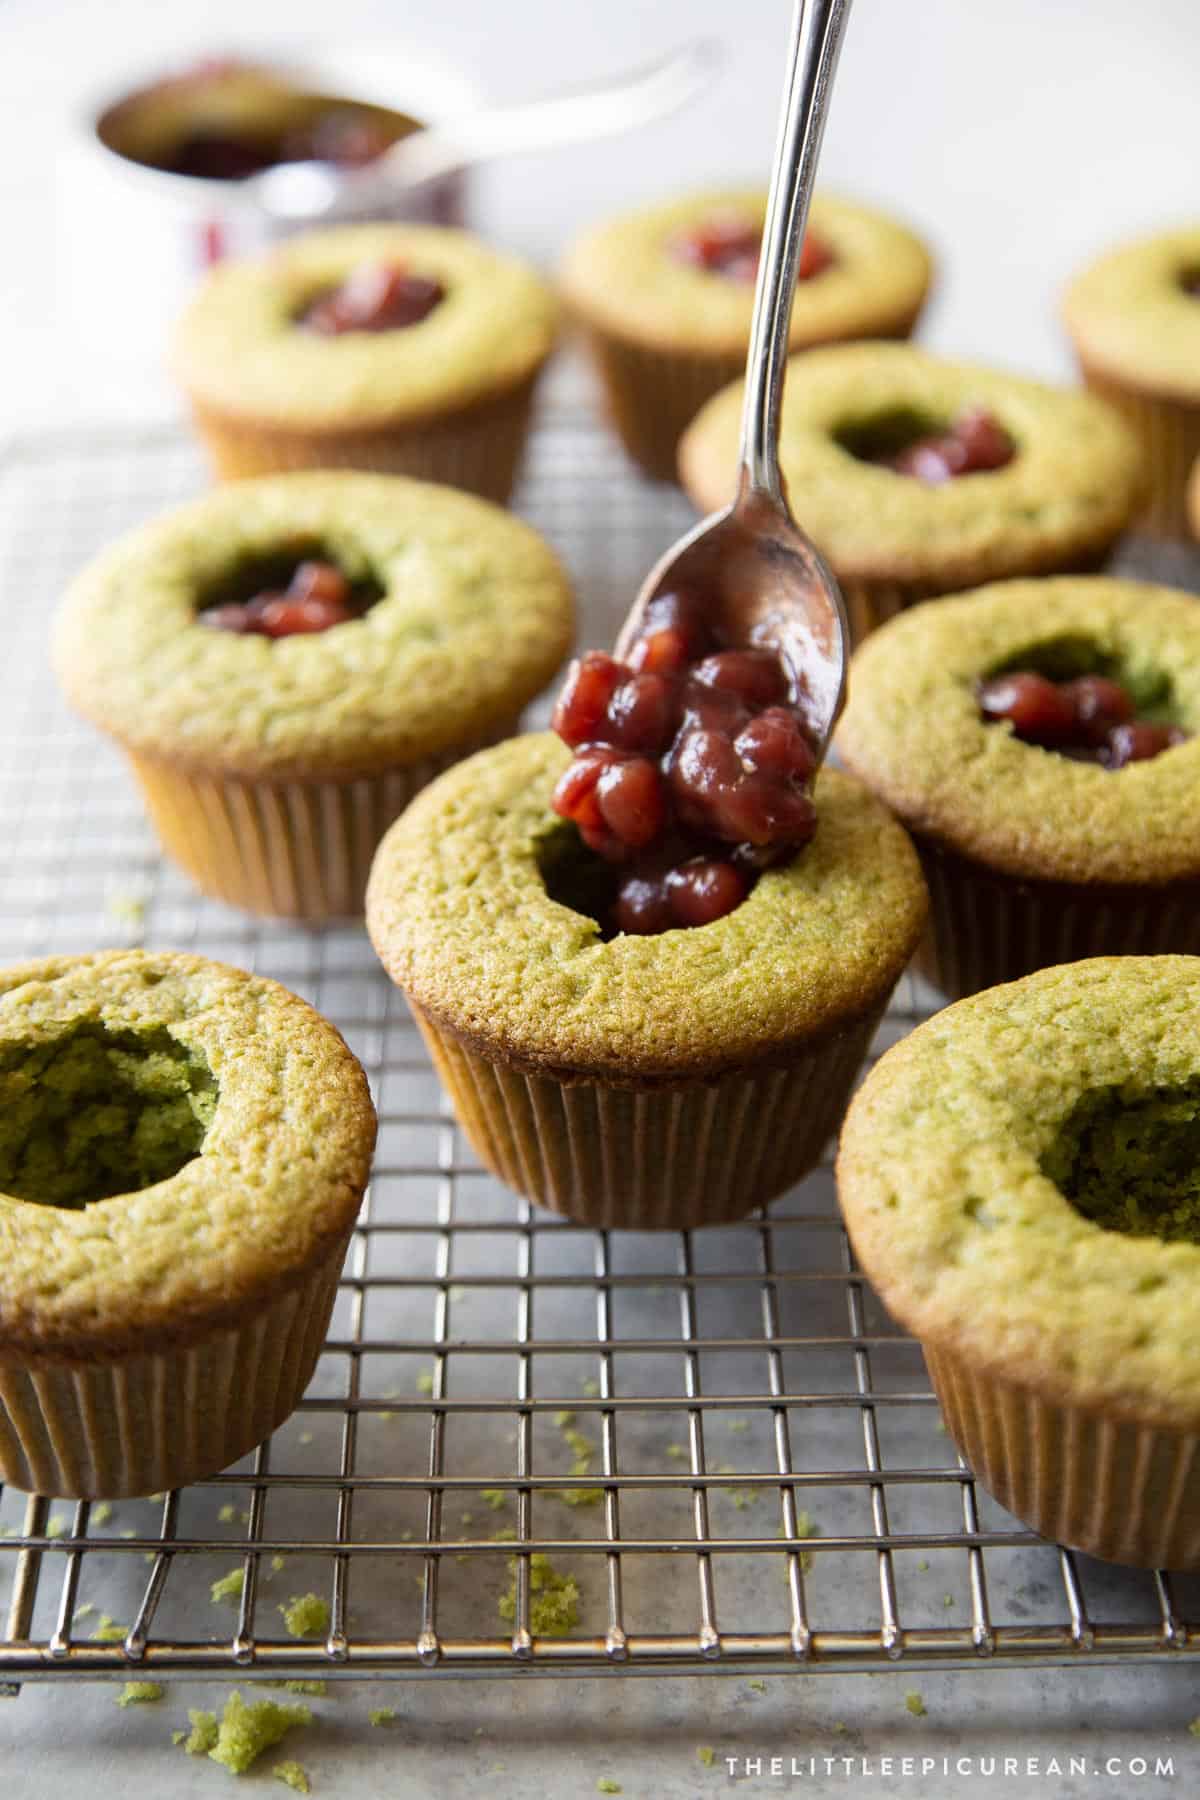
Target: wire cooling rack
[{"x": 729, "y": 1455}]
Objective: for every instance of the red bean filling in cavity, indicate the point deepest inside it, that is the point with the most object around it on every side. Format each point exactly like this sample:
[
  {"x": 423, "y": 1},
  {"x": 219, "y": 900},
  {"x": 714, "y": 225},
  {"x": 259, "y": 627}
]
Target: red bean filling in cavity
[
  {"x": 374, "y": 297},
  {"x": 1090, "y": 718},
  {"x": 691, "y": 767},
  {"x": 727, "y": 244},
  {"x": 973, "y": 444},
  {"x": 317, "y": 596}
]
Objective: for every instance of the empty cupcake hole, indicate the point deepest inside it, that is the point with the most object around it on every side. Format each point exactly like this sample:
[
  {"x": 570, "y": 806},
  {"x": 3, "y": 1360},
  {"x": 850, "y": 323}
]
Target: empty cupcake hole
[
  {"x": 269, "y": 572},
  {"x": 93, "y": 1113},
  {"x": 1066, "y": 657},
  {"x": 1131, "y": 1162},
  {"x": 576, "y": 877},
  {"x": 886, "y": 434},
  {"x": 1189, "y": 280}
]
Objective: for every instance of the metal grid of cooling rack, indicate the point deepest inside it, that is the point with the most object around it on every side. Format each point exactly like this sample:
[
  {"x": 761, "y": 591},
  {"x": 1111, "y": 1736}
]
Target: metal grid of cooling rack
[{"x": 718, "y": 1439}]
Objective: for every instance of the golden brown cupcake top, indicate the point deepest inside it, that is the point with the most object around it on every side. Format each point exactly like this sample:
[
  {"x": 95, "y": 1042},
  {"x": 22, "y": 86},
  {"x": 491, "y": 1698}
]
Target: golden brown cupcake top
[
  {"x": 473, "y": 617},
  {"x": 459, "y": 913},
  {"x": 1016, "y": 1179},
  {"x": 1134, "y": 314},
  {"x": 914, "y": 733},
  {"x": 242, "y": 349},
  {"x": 180, "y": 1143},
  {"x": 625, "y": 276},
  {"x": 1071, "y": 485}
]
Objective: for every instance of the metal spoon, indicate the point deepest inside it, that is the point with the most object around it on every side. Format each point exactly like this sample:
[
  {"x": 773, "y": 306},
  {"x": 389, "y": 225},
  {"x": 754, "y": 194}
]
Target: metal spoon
[
  {"x": 307, "y": 190},
  {"x": 765, "y": 579}
]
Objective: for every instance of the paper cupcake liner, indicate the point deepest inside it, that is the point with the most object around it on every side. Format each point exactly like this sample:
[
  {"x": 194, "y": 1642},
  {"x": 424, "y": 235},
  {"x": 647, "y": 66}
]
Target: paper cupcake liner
[
  {"x": 142, "y": 1423},
  {"x": 1169, "y": 433},
  {"x": 653, "y": 393},
  {"x": 986, "y": 928},
  {"x": 651, "y": 1158},
  {"x": 288, "y": 849},
  {"x": 478, "y": 448},
  {"x": 1125, "y": 1492}
]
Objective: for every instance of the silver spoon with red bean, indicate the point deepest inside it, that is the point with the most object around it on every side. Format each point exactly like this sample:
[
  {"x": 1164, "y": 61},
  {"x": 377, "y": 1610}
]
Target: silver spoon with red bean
[{"x": 696, "y": 743}]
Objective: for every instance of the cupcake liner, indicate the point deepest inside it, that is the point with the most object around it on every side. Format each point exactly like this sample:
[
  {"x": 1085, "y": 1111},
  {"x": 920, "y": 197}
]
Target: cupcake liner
[
  {"x": 107, "y": 1428},
  {"x": 1123, "y": 1491},
  {"x": 1169, "y": 433},
  {"x": 986, "y": 928},
  {"x": 477, "y": 448},
  {"x": 656, "y": 1157},
  {"x": 289, "y": 849}
]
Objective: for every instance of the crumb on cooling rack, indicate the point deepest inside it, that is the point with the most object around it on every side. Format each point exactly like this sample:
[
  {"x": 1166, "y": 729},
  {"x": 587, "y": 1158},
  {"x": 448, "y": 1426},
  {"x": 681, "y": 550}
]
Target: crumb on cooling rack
[
  {"x": 606, "y": 1785},
  {"x": 315, "y": 1688},
  {"x": 203, "y": 1735},
  {"x": 228, "y": 1587},
  {"x": 591, "y": 1388},
  {"x": 706, "y": 1755},
  {"x": 102, "y": 1513},
  {"x": 915, "y": 1704},
  {"x": 108, "y": 1631},
  {"x": 424, "y": 1381},
  {"x": 494, "y": 1497},
  {"x": 553, "y": 1598},
  {"x": 306, "y": 1615},
  {"x": 227, "y": 1513},
  {"x": 126, "y": 908},
  {"x": 136, "y": 1693},
  {"x": 382, "y": 1715}
]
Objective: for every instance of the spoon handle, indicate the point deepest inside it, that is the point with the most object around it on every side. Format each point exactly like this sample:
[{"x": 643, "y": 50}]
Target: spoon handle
[{"x": 818, "y": 27}]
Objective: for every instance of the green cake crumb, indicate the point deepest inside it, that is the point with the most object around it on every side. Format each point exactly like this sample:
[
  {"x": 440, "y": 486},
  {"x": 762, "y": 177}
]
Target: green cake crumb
[
  {"x": 738, "y": 1425},
  {"x": 103, "y": 1513},
  {"x": 249, "y": 1728},
  {"x": 306, "y": 1437},
  {"x": 293, "y": 1775},
  {"x": 457, "y": 1293},
  {"x": 923, "y": 1566},
  {"x": 591, "y": 1388},
  {"x": 55, "y": 1527},
  {"x": 1194, "y": 1727},
  {"x": 204, "y": 1733},
  {"x": 277, "y": 1564},
  {"x": 494, "y": 1497},
  {"x": 424, "y": 1381},
  {"x": 136, "y": 1693},
  {"x": 679, "y": 1452},
  {"x": 505, "y": 1535},
  {"x": 706, "y": 1755},
  {"x": 126, "y": 909},
  {"x": 915, "y": 1704},
  {"x": 757, "y": 1687},
  {"x": 306, "y": 1615},
  {"x": 156, "y": 1496},
  {"x": 86, "y": 1610},
  {"x": 564, "y": 1418},
  {"x": 947, "y": 1599},
  {"x": 582, "y": 1448},
  {"x": 177, "y": 1737},
  {"x": 382, "y": 1715},
  {"x": 128, "y": 1533},
  {"x": 590, "y": 1496},
  {"x": 468, "y": 1518},
  {"x": 553, "y": 1598},
  {"x": 108, "y": 1631},
  {"x": 228, "y": 1587},
  {"x": 227, "y": 1513},
  {"x": 316, "y": 1688},
  {"x": 840, "y": 1727},
  {"x": 605, "y": 1785}
]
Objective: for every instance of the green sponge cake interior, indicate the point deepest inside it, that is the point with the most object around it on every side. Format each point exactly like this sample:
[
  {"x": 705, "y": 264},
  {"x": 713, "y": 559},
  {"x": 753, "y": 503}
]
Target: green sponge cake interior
[
  {"x": 459, "y": 912},
  {"x": 179, "y": 1142},
  {"x": 1135, "y": 315},
  {"x": 1068, "y": 490},
  {"x": 240, "y": 350},
  {"x": 472, "y": 618},
  {"x": 1021, "y": 1179},
  {"x": 623, "y": 276},
  {"x": 913, "y": 730}
]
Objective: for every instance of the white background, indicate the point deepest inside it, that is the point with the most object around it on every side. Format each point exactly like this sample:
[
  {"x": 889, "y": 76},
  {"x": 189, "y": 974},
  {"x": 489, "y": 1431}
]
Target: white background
[{"x": 1020, "y": 135}]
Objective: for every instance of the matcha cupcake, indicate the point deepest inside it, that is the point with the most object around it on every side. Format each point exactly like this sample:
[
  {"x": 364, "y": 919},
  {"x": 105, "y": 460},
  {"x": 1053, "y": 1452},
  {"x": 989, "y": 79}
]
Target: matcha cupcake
[
  {"x": 661, "y": 1081},
  {"x": 1054, "y": 819},
  {"x": 1134, "y": 318},
  {"x": 286, "y": 661},
  {"x": 182, "y": 1155},
  {"x": 664, "y": 296},
  {"x": 1019, "y": 1179},
  {"x": 917, "y": 477},
  {"x": 406, "y": 349}
]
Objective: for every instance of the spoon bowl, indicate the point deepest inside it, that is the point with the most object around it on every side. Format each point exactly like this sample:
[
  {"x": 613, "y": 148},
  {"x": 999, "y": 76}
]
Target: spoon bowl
[{"x": 762, "y": 580}]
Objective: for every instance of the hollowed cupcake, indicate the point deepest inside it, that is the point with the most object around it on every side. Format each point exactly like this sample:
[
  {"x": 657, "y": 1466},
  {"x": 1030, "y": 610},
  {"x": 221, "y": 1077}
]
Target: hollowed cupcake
[
  {"x": 1038, "y": 738},
  {"x": 1134, "y": 318},
  {"x": 1021, "y": 1181},
  {"x": 183, "y": 1152},
  {"x": 646, "y": 1073},
  {"x": 664, "y": 298},
  {"x": 405, "y": 349},
  {"x": 286, "y": 662},
  {"x": 917, "y": 477}
]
